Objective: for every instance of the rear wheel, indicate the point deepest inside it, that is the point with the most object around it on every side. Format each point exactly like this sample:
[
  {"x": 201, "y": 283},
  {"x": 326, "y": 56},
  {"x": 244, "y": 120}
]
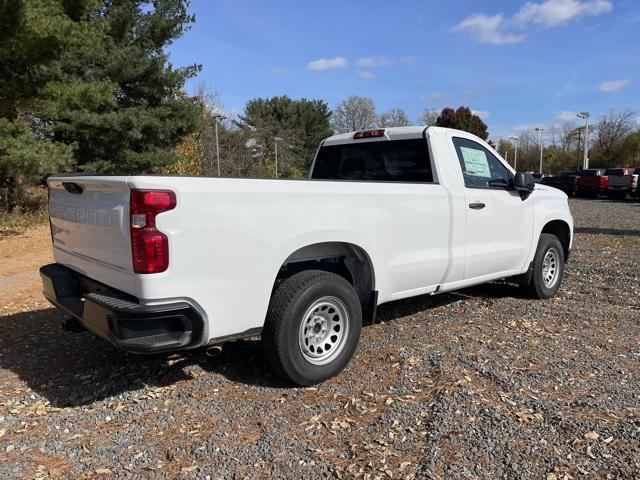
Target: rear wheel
[
  {"x": 312, "y": 327},
  {"x": 548, "y": 268}
]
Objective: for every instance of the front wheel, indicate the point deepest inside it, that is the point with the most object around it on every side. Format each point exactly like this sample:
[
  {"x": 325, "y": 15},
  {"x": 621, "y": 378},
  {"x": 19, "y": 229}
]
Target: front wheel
[
  {"x": 312, "y": 327},
  {"x": 548, "y": 268}
]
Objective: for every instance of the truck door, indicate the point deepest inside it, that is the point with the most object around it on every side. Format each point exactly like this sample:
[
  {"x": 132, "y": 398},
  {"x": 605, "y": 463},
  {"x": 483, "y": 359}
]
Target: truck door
[{"x": 499, "y": 224}]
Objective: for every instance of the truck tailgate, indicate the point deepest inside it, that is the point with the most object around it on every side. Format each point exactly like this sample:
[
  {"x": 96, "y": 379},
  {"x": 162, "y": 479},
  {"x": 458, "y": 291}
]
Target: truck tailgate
[{"x": 90, "y": 221}]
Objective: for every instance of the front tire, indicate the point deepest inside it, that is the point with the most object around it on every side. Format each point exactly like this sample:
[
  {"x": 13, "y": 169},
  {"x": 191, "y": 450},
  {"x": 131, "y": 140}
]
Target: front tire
[
  {"x": 312, "y": 327},
  {"x": 548, "y": 268}
]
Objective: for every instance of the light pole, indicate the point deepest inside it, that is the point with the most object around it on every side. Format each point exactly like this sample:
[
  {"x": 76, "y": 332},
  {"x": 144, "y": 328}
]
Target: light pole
[
  {"x": 585, "y": 160},
  {"x": 540, "y": 130},
  {"x": 216, "y": 118},
  {"x": 275, "y": 141},
  {"x": 515, "y": 157}
]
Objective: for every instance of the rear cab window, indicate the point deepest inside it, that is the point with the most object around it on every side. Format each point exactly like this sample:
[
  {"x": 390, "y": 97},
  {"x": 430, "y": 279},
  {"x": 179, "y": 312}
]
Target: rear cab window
[{"x": 383, "y": 161}]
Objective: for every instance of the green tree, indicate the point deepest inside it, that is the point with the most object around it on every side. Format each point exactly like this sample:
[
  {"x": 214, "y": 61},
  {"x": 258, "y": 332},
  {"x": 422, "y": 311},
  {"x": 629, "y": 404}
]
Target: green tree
[
  {"x": 33, "y": 37},
  {"x": 92, "y": 77},
  {"x": 627, "y": 151},
  {"x": 463, "y": 119},
  {"x": 118, "y": 99},
  {"x": 299, "y": 124}
]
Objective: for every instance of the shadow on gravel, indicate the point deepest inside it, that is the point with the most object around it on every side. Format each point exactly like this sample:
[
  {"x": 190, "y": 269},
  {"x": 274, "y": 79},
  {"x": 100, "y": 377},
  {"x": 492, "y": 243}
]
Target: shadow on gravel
[
  {"x": 607, "y": 231},
  {"x": 71, "y": 369}
]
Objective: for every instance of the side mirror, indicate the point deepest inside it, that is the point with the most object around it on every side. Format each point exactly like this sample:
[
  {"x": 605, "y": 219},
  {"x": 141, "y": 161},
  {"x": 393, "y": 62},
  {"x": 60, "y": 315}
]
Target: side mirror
[{"x": 524, "y": 182}]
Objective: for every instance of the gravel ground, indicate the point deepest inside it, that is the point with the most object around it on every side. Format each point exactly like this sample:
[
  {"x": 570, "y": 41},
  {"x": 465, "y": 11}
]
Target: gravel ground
[{"x": 478, "y": 384}]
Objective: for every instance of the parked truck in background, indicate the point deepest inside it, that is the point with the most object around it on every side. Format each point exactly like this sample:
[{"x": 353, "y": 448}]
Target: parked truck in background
[
  {"x": 622, "y": 181},
  {"x": 636, "y": 181},
  {"x": 592, "y": 182},
  {"x": 566, "y": 182},
  {"x": 161, "y": 263}
]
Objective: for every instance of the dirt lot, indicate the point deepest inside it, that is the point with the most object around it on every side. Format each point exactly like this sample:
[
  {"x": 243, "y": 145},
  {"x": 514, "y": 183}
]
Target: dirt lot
[{"x": 478, "y": 384}]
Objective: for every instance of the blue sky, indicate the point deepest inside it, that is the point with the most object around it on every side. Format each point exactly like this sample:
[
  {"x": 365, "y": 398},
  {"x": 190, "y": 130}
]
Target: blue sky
[{"x": 521, "y": 64}]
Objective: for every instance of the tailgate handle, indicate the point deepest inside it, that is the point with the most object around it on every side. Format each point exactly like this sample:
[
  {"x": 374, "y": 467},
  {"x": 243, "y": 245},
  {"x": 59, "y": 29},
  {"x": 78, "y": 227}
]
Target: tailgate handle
[{"x": 72, "y": 187}]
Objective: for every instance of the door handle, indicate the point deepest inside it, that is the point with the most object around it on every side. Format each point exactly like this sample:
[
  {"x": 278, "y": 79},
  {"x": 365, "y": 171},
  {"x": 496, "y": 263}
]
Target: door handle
[{"x": 477, "y": 205}]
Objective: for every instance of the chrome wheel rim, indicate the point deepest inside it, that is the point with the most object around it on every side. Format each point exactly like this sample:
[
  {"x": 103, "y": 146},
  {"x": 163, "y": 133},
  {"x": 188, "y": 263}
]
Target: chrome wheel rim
[
  {"x": 550, "y": 268},
  {"x": 323, "y": 330}
]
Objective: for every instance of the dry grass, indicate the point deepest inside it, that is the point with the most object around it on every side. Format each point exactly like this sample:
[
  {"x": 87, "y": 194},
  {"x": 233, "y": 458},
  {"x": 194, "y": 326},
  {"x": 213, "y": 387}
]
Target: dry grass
[{"x": 31, "y": 213}]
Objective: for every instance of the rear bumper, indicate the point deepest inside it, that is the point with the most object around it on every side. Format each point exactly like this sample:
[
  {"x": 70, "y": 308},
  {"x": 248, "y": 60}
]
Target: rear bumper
[{"x": 119, "y": 317}]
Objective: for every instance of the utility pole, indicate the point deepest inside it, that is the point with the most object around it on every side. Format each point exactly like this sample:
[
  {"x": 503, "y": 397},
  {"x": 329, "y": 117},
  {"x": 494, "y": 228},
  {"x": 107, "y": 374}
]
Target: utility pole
[
  {"x": 585, "y": 160},
  {"x": 540, "y": 130},
  {"x": 579, "y": 133},
  {"x": 216, "y": 118},
  {"x": 515, "y": 158},
  {"x": 275, "y": 141}
]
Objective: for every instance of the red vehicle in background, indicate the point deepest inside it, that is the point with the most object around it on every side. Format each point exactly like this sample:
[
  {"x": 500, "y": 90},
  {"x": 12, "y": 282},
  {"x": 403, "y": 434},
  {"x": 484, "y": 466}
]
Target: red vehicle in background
[{"x": 592, "y": 182}]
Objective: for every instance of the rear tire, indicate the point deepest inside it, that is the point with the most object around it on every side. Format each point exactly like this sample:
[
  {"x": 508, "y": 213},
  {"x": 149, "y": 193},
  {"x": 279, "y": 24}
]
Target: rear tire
[
  {"x": 312, "y": 327},
  {"x": 548, "y": 268}
]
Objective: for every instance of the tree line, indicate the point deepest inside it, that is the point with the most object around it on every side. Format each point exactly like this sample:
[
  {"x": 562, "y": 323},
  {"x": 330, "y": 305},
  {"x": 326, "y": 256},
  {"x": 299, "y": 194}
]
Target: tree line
[
  {"x": 613, "y": 141},
  {"x": 246, "y": 145},
  {"x": 87, "y": 86}
]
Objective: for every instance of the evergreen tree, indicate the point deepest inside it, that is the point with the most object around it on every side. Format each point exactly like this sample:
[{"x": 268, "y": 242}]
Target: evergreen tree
[
  {"x": 299, "y": 124},
  {"x": 119, "y": 101},
  {"x": 92, "y": 77}
]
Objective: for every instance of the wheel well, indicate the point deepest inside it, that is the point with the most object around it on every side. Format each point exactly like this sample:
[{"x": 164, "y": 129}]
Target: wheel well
[
  {"x": 560, "y": 229},
  {"x": 345, "y": 259}
]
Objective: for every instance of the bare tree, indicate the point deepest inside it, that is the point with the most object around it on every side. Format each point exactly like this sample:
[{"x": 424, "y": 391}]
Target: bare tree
[
  {"x": 429, "y": 117},
  {"x": 610, "y": 130},
  {"x": 563, "y": 137},
  {"x": 354, "y": 113},
  {"x": 396, "y": 117}
]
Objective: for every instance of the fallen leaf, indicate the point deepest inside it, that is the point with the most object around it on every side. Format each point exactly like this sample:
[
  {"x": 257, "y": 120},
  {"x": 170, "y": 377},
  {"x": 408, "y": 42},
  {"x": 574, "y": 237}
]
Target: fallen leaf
[
  {"x": 591, "y": 435},
  {"x": 251, "y": 437}
]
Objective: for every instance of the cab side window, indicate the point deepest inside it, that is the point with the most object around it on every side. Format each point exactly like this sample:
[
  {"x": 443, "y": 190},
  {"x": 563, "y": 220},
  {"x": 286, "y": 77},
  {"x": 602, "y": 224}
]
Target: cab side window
[{"x": 479, "y": 165}]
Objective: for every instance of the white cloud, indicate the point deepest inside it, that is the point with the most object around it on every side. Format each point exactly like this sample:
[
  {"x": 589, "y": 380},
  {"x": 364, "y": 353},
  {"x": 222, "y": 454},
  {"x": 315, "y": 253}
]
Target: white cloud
[
  {"x": 498, "y": 30},
  {"x": 366, "y": 74},
  {"x": 369, "y": 62},
  {"x": 327, "y": 63},
  {"x": 551, "y": 13},
  {"x": 566, "y": 115},
  {"x": 487, "y": 29},
  {"x": 483, "y": 114},
  {"x": 614, "y": 85}
]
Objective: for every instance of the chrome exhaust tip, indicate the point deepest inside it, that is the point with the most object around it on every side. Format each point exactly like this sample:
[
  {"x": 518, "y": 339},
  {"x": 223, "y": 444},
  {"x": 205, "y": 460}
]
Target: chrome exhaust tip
[{"x": 213, "y": 351}]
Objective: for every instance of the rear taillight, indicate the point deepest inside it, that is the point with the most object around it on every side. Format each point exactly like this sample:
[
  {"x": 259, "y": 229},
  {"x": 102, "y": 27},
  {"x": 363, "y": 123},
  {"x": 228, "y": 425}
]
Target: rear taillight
[{"x": 149, "y": 246}]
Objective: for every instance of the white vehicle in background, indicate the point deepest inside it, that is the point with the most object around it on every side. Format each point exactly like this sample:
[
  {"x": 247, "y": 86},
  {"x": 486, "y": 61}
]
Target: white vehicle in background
[
  {"x": 622, "y": 181},
  {"x": 160, "y": 263}
]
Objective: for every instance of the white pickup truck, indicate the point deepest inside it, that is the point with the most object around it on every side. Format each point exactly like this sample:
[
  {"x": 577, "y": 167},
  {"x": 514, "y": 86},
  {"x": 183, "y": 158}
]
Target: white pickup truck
[{"x": 160, "y": 263}]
